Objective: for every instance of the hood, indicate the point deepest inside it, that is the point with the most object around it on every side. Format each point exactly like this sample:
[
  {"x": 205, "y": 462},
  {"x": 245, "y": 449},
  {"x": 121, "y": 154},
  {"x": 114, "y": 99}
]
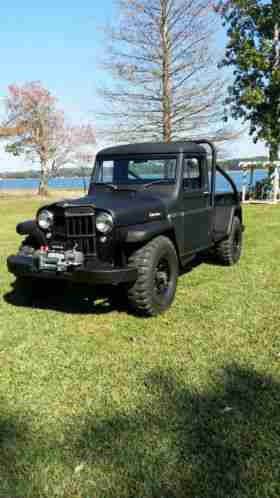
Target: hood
[{"x": 126, "y": 207}]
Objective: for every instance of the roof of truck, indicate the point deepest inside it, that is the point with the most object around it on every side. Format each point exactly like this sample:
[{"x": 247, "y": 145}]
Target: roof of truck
[{"x": 154, "y": 148}]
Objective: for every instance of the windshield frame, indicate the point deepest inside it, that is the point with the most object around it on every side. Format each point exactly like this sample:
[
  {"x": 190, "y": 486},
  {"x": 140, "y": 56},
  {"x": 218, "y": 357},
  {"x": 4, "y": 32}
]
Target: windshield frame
[{"x": 133, "y": 185}]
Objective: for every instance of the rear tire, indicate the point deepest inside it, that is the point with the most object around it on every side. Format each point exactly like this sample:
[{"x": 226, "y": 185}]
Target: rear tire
[
  {"x": 228, "y": 251},
  {"x": 155, "y": 287}
]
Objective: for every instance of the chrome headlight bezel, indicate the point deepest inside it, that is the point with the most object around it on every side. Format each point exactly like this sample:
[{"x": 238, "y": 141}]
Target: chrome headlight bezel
[
  {"x": 104, "y": 223},
  {"x": 45, "y": 219}
]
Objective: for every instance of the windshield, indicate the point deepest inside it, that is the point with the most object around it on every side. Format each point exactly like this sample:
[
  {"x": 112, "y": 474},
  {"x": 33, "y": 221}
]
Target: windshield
[{"x": 134, "y": 171}]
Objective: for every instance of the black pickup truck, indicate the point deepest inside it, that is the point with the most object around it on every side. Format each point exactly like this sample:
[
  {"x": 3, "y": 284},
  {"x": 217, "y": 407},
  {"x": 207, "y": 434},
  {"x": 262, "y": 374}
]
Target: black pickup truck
[{"x": 150, "y": 209}]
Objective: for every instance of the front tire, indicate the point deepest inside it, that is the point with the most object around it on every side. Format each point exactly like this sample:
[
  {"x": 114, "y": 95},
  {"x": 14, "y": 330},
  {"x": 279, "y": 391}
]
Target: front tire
[
  {"x": 155, "y": 287},
  {"x": 228, "y": 251}
]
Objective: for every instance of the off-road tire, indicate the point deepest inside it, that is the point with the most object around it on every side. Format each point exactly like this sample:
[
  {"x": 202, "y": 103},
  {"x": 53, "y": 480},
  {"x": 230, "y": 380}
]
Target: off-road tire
[
  {"x": 155, "y": 287},
  {"x": 228, "y": 251}
]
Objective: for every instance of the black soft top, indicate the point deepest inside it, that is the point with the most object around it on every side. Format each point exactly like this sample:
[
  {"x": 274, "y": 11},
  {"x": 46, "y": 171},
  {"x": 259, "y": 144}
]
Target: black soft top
[{"x": 154, "y": 148}]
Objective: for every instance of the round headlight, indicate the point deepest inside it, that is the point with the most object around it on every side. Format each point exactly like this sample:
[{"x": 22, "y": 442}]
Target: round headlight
[
  {"x": 104, "y": 223},
  {"x": 45, "y": 219}
]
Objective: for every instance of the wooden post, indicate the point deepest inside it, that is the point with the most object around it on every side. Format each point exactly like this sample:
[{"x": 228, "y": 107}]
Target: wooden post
[
  {"x": 244, "y": 180},
  {"x": 251, "y": 182}
]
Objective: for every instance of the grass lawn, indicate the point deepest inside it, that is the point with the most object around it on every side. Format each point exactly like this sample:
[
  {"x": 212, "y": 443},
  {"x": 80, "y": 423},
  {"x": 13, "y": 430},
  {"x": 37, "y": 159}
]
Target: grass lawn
[{"x": 97, "y": 403}]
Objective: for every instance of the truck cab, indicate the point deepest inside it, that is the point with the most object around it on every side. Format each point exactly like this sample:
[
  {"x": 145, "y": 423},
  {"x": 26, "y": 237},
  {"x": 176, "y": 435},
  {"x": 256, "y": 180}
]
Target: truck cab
[{"x": 150, "y": 209}]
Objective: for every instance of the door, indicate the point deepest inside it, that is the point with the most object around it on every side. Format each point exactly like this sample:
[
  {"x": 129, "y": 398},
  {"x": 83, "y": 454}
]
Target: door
[{"x": 197, "y": 212}]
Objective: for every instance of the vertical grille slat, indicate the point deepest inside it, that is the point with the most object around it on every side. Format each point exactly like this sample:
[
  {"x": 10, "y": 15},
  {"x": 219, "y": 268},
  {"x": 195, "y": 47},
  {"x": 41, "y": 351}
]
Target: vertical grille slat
[
  {"x": 86, "y": 225},
  {"x": 67, "y": 225},
  {"x": 79, "y": 226},
  {"x": 72, "y": 227},
  {"x": 74, "y": 230}
]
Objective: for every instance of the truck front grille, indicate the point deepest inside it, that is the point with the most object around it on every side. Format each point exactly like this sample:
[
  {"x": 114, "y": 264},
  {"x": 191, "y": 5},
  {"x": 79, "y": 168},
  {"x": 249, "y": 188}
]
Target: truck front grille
[{"x": 77, "y": 226}]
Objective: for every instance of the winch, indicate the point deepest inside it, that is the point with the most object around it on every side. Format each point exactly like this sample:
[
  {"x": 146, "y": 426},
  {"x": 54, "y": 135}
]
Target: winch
[{"x": 60, "y": 261}]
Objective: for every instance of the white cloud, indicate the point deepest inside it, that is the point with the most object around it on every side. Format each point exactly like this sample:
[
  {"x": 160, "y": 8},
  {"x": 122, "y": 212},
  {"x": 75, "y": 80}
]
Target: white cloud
[{"x": 246, "y": 148}]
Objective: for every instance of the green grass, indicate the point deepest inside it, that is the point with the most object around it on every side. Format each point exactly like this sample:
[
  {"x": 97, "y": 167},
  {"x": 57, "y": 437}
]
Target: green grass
[{"x": 97, "y": 403}]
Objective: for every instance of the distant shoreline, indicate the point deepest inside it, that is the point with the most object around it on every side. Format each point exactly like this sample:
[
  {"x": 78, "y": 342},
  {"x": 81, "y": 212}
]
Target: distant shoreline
[
  {"x": 85, "y": 172},
  {"x": 64, "y": 187},
  {"x": 33, "y": 193}
]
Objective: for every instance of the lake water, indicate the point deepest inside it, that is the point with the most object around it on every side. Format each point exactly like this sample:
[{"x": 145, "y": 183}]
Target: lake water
[{"x": 78, "y": 183}]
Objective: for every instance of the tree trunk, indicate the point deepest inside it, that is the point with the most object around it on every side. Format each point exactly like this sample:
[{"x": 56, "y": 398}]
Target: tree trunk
[
  {"x": 273, "y": 152},
  {"x": 44, "y": 178},
  {"x": 166, "y": 76}
]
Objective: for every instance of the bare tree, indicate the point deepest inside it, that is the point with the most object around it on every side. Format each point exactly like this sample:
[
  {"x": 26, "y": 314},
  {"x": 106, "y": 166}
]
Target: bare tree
[{"x": 164, "y": 83}]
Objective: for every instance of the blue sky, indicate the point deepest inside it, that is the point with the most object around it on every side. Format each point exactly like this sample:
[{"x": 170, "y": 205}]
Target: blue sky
[{"x": 61, "y": 46}]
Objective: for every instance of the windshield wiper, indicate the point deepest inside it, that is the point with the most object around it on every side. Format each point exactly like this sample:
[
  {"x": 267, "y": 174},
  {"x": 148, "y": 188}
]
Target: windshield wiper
[
  {"x": 162, "y": 180},
  {"x": 112, "y": 186},
  {"x": 116, "y": 188}
]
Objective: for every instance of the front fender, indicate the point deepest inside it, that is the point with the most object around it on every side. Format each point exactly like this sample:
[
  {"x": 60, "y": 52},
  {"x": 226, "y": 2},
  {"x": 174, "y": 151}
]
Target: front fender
[{"x": 145, "y": 231}]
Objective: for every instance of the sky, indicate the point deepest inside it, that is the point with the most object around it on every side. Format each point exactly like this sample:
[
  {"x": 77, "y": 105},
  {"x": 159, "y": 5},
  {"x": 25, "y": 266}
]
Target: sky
[{"x": 62, "y": 46}]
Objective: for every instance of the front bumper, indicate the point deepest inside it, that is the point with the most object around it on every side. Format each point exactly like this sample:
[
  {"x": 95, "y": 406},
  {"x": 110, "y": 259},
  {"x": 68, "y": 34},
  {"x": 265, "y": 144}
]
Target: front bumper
[{"x": 23, "y": 266}]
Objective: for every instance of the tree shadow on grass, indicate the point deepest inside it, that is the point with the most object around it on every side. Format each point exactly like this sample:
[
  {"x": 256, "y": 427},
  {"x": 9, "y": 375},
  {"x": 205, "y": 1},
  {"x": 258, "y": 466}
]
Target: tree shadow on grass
[
  {"x": 185, "y": 444},
  {"x": 13, "y": 434},
  {"x": 180, "y": 443}
]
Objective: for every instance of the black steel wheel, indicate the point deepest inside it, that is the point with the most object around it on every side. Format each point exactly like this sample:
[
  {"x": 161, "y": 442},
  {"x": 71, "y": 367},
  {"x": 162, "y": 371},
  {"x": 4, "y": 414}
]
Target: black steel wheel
[
  {"x": 228, "y": 251},
  {"x": 155, "y": 287}
]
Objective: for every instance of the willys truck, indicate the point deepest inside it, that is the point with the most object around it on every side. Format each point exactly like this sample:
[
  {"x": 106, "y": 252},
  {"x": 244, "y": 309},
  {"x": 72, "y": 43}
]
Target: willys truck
[{"x": 151, "y": 208}]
